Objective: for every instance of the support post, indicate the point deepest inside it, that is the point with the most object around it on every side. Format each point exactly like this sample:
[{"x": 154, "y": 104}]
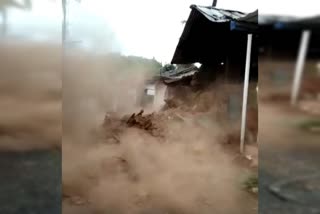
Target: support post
[
  {"x": 305, "y": 37},
  {"x": 245, "y": 93},
  {"x": 214, "y": 3}
]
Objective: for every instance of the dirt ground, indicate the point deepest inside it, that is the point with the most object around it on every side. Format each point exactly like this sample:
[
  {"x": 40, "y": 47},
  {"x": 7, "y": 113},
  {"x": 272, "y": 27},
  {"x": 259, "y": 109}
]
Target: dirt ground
[
  {"x": 288, "y": 144},
  {"x": 289, "y": 159}
]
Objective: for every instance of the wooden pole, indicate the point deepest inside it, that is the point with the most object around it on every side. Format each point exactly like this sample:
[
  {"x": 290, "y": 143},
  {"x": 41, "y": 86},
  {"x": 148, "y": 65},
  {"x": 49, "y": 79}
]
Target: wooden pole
[
  {"x": 245, "y": 93},
  {"x": 305, "y": 37}
]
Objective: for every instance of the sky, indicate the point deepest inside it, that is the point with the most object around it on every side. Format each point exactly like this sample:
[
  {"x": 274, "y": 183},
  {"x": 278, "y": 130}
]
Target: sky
[{"x": 148, "y": 28}]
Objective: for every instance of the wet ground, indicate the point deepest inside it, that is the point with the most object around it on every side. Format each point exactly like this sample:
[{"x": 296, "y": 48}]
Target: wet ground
[
  {"x": 289, "y": 163},
  {"x": 30, "y": 182}
]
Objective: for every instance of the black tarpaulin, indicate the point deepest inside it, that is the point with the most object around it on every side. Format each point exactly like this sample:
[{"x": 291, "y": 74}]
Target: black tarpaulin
[
  {"x": 289, "y": 22},
  {"x": 282, "y": 34},
  {"x": 211, "y": 34}
]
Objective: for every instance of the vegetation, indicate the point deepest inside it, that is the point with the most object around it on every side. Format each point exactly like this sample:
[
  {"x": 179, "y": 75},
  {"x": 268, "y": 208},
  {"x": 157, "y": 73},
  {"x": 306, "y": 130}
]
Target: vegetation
[
  {"x": 251, "y": 184},
  {"x": 310, "y": 125},
  {"x": 134, "y": 63}
]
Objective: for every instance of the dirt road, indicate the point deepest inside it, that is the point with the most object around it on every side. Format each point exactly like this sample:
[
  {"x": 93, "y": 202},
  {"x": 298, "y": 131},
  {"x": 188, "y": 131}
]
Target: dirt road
[{"x": 287, "y": 153}]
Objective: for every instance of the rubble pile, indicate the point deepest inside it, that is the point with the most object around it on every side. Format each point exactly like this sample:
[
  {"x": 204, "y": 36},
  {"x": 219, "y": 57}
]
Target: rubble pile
[
  {"x": 114, "y": 126},
  {"x": 155, "y": 124},
  {"x": 170, "y": 103},
  {"x": 186, "y": 106},
  {"x": 196, "y": 101},
  {"x": 145, "y": 122},
  {"x": 141, "y": 121}
]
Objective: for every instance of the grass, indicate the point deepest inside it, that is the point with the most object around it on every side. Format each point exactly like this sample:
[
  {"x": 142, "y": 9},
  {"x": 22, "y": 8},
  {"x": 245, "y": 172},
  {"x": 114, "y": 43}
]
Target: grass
[
  {"x": 310, "y": 125},
  {"x": 251, "y": 184}
]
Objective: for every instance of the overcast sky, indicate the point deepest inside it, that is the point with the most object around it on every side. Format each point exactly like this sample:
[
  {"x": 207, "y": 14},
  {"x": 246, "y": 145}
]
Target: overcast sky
[{"x": 149, "y": 28}]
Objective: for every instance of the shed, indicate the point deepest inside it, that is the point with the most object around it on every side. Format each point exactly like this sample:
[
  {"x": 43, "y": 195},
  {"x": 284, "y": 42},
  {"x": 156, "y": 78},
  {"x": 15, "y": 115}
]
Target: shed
[
  {"x": 225, "y": 43},
  {"x": 215, "y": 37}
]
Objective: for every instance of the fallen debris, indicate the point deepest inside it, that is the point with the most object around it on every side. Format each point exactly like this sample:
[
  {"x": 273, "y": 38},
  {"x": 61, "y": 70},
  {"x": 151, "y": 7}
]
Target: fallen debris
[
  {"x": 145, "y": 122},
  {"x": 170, "y": 103},
  {"x": 141, "y": 121},
  {"x": 114, "y": 126}
]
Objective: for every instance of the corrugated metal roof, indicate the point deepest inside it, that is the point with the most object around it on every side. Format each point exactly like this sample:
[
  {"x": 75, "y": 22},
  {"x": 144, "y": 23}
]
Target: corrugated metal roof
[
  {"x": 218, "y": 15},
  {"x": 221, "y": 15},
  {"x": 179, "y": 73},
  {"x": 210, "y": 32}
]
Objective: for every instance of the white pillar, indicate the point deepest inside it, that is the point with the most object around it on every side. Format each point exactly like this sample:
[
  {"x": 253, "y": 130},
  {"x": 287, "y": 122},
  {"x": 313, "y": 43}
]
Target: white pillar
[
  {"x": 305, "y": 37},
  {"x": 245, "y": 93}
]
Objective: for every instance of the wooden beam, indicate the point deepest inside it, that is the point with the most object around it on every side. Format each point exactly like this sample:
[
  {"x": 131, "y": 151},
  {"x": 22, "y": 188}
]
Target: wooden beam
[
  {"x": 305, "y": 37},
  {"x": 245, "y": 93}
]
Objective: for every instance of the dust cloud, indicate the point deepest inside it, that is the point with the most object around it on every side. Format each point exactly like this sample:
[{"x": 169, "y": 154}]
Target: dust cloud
[
  {"x": 94, "y": 85},
  {"x": 184, "y": 171},
  {"x": 30, "y": 96}
]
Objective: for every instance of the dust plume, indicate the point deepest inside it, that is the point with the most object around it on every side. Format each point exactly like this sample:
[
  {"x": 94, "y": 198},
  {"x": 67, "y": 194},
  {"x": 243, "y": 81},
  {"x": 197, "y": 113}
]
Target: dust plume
[
  {"x": 94, "y": 85},
  {"x": 183, "y": 171},
  {"x": 30, "y": 96}
]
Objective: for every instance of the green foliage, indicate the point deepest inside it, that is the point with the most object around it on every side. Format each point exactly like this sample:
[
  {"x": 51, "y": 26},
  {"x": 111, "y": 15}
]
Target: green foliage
[
  {"x": 251, "y": 184},
  {"x": 310, "y": 125},
  {"x": 135, "y": 63}
]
